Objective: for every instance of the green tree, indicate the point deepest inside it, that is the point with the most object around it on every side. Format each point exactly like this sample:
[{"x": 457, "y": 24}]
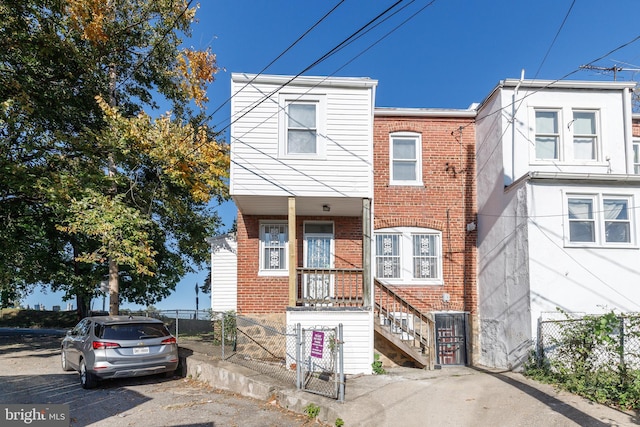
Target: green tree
[{"x": 80, "y": 81}]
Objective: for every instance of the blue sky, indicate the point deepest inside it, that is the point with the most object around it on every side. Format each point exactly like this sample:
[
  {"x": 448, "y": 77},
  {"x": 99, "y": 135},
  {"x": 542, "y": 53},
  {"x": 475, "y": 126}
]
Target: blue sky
[{"x": 430, "y": 54}]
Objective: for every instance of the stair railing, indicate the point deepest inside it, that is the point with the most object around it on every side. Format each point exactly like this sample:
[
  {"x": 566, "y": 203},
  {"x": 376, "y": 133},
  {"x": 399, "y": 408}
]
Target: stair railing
[{"x": 401, "y": 318}]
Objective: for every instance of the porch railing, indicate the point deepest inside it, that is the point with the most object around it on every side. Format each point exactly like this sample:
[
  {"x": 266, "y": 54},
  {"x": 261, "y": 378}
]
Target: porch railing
[
  {"x": 402, "y": 319},
  {"x": 330, "y": 287}
]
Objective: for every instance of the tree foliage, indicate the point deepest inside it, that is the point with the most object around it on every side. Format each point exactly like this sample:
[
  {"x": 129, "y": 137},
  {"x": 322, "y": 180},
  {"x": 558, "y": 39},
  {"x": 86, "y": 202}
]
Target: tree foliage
[{"x": 81, "y": 84}]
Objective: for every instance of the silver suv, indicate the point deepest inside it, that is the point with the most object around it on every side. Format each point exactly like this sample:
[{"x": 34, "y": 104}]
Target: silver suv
[{"x": 103, "y": 347}]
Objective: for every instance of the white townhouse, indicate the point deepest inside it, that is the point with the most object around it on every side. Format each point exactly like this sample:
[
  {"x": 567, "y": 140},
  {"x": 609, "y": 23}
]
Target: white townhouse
[{"x": 558, "y": 227}]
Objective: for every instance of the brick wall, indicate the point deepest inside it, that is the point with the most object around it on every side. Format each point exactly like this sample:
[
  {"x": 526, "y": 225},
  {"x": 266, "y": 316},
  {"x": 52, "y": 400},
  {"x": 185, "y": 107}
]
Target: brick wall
[
  {"x": 446, "y": 203},
  {"x": 635, "y": 127},
  {"x": 270, "y": 294}
]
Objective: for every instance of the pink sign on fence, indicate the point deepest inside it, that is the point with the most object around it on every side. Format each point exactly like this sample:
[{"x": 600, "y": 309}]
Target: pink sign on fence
[{"x": 317, "y": 344}]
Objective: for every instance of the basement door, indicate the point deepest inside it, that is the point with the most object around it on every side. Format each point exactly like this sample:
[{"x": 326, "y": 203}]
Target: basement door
[
  {"x": 451, "y": 342},
  {"x": 318, "y": 254}
]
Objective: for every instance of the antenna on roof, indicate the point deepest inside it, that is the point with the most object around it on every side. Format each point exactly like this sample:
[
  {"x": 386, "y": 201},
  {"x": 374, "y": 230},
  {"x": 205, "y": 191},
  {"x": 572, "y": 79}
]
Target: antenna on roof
[{"x": 615, "y": 69}]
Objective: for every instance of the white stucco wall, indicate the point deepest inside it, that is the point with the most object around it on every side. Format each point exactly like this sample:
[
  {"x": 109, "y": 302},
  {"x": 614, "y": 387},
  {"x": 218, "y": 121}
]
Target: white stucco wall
[
  {"x": 593, "y": 279},
  {"x": 525, "y": 269}
]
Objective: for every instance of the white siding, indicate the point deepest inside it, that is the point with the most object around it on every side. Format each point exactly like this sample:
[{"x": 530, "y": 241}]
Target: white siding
[
  {"x": 257, "y": 168},
  {"x": 357, "y": 334},
  {"x": 224, "y": 280}
]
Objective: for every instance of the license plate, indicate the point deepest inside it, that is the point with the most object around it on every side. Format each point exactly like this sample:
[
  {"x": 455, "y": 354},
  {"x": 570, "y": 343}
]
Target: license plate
[{"x": 141, "y": 350}]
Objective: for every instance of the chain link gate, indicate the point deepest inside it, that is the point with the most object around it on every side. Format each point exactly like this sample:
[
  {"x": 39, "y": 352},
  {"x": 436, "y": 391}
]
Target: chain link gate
[{"x": 320, "y": 361}]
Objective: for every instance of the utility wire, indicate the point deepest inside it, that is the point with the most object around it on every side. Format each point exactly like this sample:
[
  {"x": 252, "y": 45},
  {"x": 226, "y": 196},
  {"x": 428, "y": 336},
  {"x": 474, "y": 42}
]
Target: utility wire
[
  {"x": 266, "y": 67},
  {"x": 554, "y": 39},
  {"x": 312, "y": 65}
]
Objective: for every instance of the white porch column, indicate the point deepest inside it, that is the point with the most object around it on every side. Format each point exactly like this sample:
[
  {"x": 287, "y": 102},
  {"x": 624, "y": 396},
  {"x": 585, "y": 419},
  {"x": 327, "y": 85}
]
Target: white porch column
[{"x": 291, "y": 221}]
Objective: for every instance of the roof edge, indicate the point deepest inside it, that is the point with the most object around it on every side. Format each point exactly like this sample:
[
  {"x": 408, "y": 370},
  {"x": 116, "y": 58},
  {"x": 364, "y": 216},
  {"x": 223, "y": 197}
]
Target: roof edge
[{"x": 365, "y": 82}]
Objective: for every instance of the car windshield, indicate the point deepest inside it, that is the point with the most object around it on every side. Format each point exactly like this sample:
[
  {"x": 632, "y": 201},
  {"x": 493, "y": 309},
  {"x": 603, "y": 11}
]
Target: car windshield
[{"x": 134, "y": 331}]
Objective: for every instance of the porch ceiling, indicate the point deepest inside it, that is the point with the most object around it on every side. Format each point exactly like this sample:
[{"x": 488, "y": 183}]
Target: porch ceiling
[{"x": 306, "y": 206}]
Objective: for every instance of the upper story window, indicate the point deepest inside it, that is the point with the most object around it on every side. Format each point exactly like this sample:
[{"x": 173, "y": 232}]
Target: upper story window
[
  {"x": 547, "y": 135},
  {"x": 585, "y": 135},
  {"x": 301, "y": 126},
  {"x": 405, "y": 159},
  {"x": 636, "y": 156},
  {"x": 570, "y": 137},
  {"x": 273, "y": 247},
  {"x": 409, "y": 255},
  {"x": 302, "y": 131},
  {"x": 599, "y": 219}
]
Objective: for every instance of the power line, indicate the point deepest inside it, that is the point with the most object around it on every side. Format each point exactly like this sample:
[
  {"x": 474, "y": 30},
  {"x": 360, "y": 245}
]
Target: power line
[
  {"x": 266, "y": 67},
  {"x": 554, "y": 39}
]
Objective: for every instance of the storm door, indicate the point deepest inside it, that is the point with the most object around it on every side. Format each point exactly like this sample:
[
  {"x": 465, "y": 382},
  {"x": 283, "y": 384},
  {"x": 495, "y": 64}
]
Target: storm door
[
  {"x": 318, "y": 257},
  {"x": 451, "y": 338}
]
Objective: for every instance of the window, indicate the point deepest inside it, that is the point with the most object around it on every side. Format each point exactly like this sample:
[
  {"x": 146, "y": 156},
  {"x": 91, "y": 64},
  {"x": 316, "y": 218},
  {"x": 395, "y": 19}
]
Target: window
[
  {"x": 301, "y": 128},
  {"x": 273, "y": 247},
  {"x": 581, "y": 221},
  {"x": 617, "y": 225},
  {"x": 405, "y": 155},
  {"x": 425, "y": 256},
  {"x": 547, "y": 135},
  {"x": 599, "y": 219},
  {"x": 574, "y": 138},
  {"x": 409, "y": 255},
  {"x": 585, "y": 136},
  {"x": 636, "y": 157},
  {"x": 388, "y": 256}
]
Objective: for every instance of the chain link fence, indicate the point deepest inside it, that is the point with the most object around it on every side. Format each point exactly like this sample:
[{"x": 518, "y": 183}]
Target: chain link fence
[
  {"x": 310, "y": 358},
  {"x": 320, "y": 361},
  {"x": 593, "y": 343}
]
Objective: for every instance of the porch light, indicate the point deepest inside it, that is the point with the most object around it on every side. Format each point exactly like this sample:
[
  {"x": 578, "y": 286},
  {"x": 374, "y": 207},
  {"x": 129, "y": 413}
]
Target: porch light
[{"x": 326, "y": 208}]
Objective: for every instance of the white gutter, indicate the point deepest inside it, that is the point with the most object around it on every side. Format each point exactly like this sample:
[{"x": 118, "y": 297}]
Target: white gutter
[
  {"x": 567, "y": 84},
  {"x": 361, "y": 82}
]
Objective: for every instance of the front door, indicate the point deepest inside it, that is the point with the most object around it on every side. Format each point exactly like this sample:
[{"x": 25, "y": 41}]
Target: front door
[
  {"x": 451, "y": 337},
  {"x": 318, "y": 255}
]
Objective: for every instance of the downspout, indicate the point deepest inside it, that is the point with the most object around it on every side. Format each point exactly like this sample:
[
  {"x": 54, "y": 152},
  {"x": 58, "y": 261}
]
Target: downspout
[
  {"x": 628, "y": 138},
  {"x": 513, "y": 127}
]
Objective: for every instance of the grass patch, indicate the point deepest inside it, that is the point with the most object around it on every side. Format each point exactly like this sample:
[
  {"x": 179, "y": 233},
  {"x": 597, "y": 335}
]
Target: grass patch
[{"x": 20, "y": 318}]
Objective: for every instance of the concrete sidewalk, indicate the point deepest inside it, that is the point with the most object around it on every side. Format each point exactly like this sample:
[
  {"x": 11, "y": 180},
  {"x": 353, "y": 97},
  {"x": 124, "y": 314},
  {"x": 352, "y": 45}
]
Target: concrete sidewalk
[{"x": 404, "y": 397}]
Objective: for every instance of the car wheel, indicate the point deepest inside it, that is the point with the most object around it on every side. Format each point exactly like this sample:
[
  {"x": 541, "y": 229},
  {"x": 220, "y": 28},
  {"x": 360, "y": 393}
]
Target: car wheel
[
  {"x": 64, "y": 362},
  {"x": 87, "y": 379}
]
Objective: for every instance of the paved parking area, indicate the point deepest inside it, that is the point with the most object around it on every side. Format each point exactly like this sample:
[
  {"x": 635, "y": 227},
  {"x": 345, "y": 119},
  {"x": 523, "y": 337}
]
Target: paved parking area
[{"x": 31, "y": 373}]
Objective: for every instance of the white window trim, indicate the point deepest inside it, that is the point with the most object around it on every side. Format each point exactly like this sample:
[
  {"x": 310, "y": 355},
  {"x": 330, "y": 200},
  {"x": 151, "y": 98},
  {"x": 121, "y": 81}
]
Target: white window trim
[
  {"x": 597, "y": 136},
  {"x": 565, "y": 138},
  {"x": 561, "y": 154},
  {"x": 418, "y": 137},
  {"x": 406, "y": 256},
  {"x": 599, "y": 220},
  {"x": 272, "y": 272},
  {"x": 634, "y": 166},
  {"x": 321, "y": 130}
]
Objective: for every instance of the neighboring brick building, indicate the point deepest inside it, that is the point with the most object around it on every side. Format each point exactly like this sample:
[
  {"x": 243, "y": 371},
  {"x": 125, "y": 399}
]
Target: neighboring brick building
[{"x": 425, "y": 194}]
